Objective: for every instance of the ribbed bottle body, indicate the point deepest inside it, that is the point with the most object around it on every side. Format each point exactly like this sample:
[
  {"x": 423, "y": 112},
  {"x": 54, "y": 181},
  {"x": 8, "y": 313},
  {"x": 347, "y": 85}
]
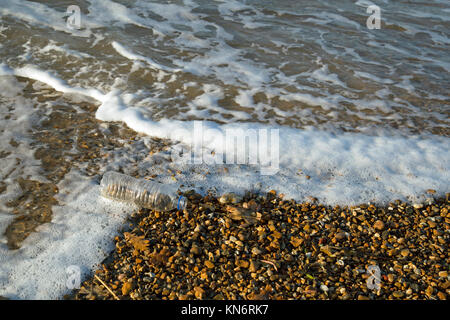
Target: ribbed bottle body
[{"x": 144, "y": 193}]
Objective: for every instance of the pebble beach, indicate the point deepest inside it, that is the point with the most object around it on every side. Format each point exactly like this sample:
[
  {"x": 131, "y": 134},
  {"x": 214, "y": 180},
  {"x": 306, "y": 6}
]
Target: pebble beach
[{"x": 264, "y": 247}]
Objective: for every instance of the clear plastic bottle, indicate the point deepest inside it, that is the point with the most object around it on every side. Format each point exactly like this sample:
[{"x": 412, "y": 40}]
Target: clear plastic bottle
[{"x": 144, "y": 193}]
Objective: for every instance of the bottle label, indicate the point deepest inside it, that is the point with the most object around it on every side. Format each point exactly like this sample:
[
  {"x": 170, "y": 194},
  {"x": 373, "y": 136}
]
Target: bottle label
[{"x": 178, "y": 204}]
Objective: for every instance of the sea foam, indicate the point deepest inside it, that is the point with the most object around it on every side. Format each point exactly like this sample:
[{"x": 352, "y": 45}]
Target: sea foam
[{"x": 348, "y": 168}]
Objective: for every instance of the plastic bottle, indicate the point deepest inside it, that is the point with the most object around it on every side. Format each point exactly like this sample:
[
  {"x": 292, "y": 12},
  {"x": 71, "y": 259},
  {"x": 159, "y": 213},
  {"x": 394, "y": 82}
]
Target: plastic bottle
[{"x": 144, "y": 193}]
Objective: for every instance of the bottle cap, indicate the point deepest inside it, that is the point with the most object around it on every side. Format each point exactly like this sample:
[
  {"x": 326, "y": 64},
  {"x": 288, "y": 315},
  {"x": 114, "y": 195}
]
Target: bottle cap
[{"x": 181, "y": 203}]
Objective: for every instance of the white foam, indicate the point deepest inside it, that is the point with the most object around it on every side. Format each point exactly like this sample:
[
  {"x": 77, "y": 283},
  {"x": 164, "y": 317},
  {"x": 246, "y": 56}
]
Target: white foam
[
  {"x": 323, "y": 74},
  {"x": 16, "y": 118},
  {"x": 231, "y": 10},
  {"x": 47, "y": 78},
  {"x": 82, "y": 225},
  {"x": 340, "y": 166},
  {"x": 237, "y": 71},
  {"x": 372, "y": 77},
  {"x": 79, "y": 235},
  {"x": 52, "y": 46},
  {"x": 132, "y": 56}
]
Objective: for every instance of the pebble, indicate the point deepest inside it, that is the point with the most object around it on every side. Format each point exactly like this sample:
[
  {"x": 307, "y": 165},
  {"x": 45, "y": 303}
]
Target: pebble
[
  {"x": 379, "y": 225},
  {"x": 390, "y": 277},
  {"x": 404, "y": 252},
  {"x": 296, "y": 242},
  {"x": 432, "y": 224},
  {"x": 256, "y": 251},
  {"x": 253, "y": 266},
  {"x": 340, "y": 236},
  {"x": 195, "y": 250},
  {"x": 324, "y": 288},
  {"x": 229, "y": 198},
  {"x": 441, "y": 295},
  {"x": 199, "y": 292},
  {"x": 126, "y": 288},
  {"x": 242, "y": 263}
]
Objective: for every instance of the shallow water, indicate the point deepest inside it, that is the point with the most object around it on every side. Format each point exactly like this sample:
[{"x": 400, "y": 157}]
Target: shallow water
[
  {"x": 362, "y": 115},
  {"x": 294, "y": 63}
]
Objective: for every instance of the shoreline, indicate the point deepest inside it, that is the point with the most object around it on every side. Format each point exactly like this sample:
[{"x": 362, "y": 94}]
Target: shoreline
[
  {"x": 264, "y": 247},
  {"x": 73, "y": 149}
]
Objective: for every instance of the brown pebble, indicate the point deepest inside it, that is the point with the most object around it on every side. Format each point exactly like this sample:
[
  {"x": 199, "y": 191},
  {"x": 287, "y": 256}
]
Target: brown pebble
[
  {"x": 296, "y": 241},
  {"x": 199, "y": 292},
  {"x": 310, "y": 290},
  {"x": 441, "y": 295},
  {"x": 432, "y": 224},
  {"x": 277, "y": 234},
  {"x": 256, "y": 251},
  {"x": 195, "y": 250},
  {"x": 404, "y": 252},
  {"x": 253, "y": 266},
  {"x": 379, "y": 225},
  {"x": 443, "y": 274},
  {"x": 242, "y": 236},
  {"x": 390, "y": 277},
  {"x": 446, "y": 285},
  {"x": 126, "y": 288},
  {"x": 242, "y": 263},
  {"x": 340, "y": 236}
]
